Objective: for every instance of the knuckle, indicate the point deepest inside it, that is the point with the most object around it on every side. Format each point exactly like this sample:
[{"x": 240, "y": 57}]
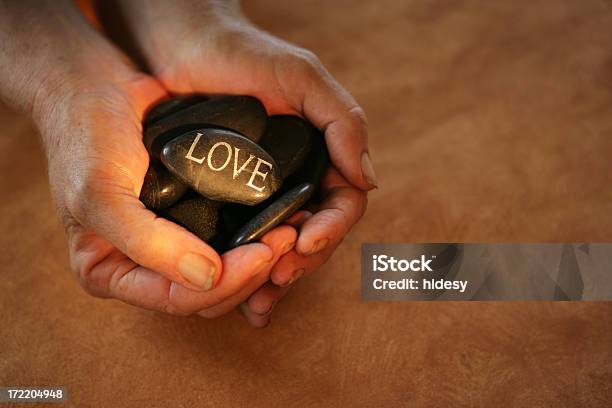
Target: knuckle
[
  {"x": 306, "y": 62},
  {"x": 84, "y": 193},
  {"x": 83, "y": 273},
  {"x": 137, "y": 244},
  {"x": 175, "y": 304},
  {"x": 308, "y": 57},
  {"x": 357, "y": 116}
]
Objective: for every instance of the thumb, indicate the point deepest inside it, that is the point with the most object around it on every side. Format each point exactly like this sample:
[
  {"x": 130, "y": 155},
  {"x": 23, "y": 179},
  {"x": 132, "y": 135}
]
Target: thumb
[
  {"x": 107, "y": 168},
  {"x": 151, "y": 241}
]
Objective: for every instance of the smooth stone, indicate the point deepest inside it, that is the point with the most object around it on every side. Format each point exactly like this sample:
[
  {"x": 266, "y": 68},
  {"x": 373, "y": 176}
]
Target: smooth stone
[
  {"x": 233, "y": 216},
  {"x": 198, "y": 215},
  {"x": 223, "y": 166},
  {"x": 288, "y": 140},
  {"x": 161, "y": 188},
  {"x": 316, "y": 163},
  {"x": 169, "y": 106},
  {"x": 241, "y": 114},
  {"x": 277, "y": 212}
]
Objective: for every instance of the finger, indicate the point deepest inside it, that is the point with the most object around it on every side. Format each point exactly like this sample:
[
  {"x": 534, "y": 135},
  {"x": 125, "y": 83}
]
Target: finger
[
  {"x": 242, "y": 266},
  {"x": 106, "y": 272},
  {"x": 153, "y": 242},
  {"x": 341, "y": 209},
  {"x": 262, "y": 302},
  {"x": 105, "y": 199},
  {"x": 298, "y": 218},
  {"x": 293, "y": 266},
  {"x": 254, "y": 319},
  {"x": 333, "y": 110},
  {"x": 280, "y": 240}
]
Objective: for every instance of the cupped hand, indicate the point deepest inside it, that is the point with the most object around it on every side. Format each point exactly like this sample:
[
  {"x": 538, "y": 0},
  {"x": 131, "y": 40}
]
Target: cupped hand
[
  {"x": 88, "y": 101},
  {"x": 214, "y": 49},
  {"x": 120, "y": 249}
]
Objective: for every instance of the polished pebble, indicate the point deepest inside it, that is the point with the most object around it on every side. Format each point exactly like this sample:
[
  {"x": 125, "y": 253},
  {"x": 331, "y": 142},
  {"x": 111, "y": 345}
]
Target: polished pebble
[
  {"x": 161, "y": 188},
  {"x": 170, "y": 106},
  {"x": 288, "y": 139},
  {"x": 223, "y": 166},
  {"x": 273, "y": 215},
  {"x": 316, "y": 163},
  {"x": 197, "y": 214},
  {"x": 243, "y": 114}
]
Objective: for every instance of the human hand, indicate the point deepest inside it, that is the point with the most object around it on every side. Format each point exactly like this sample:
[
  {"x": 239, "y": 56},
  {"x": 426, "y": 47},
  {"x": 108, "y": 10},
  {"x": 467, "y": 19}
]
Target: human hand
[
  {"x": 88, "y": 102},
  {"x": 209, "y": 47}
]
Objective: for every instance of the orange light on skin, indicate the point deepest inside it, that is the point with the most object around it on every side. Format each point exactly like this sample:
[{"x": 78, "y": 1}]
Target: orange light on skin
[{"x": 88, "y": 9}]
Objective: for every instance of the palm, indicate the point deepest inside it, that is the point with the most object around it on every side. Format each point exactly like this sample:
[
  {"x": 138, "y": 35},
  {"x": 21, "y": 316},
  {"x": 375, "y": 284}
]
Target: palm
[{"x": 116, "y": 165}]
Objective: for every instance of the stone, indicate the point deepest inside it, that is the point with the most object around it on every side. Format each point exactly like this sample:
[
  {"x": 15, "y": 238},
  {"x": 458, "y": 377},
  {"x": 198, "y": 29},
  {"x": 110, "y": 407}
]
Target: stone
[
  {"x": 233, "y": 216},
  {"x": 223, "y": 166},
  {"x": 197, "y": 214},
  {"x": 287, "y": 139},
  {"x": 241, "y": 114},
  {"x": 169, "y": 106},
  {"x": 277, "y": 212},
  {"x": 316, "y": 163},
  {"x": 160, "y": 189}
]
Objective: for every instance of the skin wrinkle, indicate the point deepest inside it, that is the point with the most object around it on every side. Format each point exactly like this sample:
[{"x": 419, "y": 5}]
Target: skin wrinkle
[
  {"x": 83, "y": 266},
  {"x": 93, "y": 275},
  {"x": 117, "y": 270}
]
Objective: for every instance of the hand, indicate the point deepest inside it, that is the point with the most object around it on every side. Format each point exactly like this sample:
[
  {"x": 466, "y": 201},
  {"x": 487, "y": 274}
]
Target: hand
[
  {"x": 88, "y": 102},
  {"x": 211, "y": 48}
]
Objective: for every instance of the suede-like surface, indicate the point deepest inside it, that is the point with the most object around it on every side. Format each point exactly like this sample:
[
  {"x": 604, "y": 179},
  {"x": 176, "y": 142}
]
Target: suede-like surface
[{"x": 489, "y": 121}]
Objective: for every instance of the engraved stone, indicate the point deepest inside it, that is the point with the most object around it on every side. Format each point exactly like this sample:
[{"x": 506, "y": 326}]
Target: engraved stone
[
  {"x": 223, "y": 166},
  {"x": 241, "y": 114}
]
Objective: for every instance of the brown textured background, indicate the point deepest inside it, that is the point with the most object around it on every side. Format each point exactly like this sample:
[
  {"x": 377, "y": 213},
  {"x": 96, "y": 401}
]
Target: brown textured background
[{"x": 489, "y": 121}]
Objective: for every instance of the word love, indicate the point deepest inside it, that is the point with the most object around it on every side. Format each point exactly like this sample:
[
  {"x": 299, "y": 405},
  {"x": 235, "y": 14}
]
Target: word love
[
  {"x": 222, "y": 165},
  {"x": 228, "y": 157}
]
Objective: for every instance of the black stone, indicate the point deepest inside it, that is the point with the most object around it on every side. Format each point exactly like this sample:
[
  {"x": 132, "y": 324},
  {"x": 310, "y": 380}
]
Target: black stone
[
  {"x": 199, "y": 215},
  {"x": 242, "y": 114},
  {"x": 288, "y": 140},
  {"x": 273, "y": 215},
  {"x": 169, "y": 106},
  {"x": 233, "y": 216},
  {"x": 223, "y": 166},
  {"x": 316, "y": 163},
  {"x": 160, "y": 188}
]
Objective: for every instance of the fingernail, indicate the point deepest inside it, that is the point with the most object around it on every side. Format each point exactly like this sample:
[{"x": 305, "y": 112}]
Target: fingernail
[
  {"x": 318, "y": 246},
  {"x": 296, "y": 275},
  {"x": 267, "y": 311},
  {"x": 367, "y": 169},
  {"x": 261, "y": 266},
  {"x": 197, "y": 270},
  {"x": 287, "y": 247}
]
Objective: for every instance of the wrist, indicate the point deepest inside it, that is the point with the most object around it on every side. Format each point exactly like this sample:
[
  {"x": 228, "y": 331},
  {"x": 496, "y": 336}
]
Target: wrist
[
  {"x": 166, "y": 31},
  {"x": 59, "y": 55}
]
